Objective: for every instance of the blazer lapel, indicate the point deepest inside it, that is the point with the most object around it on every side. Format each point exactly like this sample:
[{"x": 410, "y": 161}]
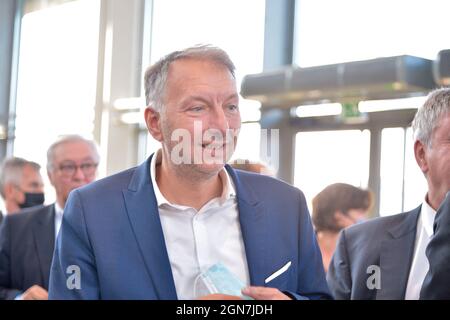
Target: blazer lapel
[
  {"x": 44, "y": 238},
  {"x": 395, "y": 258},
  {"x": 252, "y": 217},
  {"x": 143, "y": 214}
]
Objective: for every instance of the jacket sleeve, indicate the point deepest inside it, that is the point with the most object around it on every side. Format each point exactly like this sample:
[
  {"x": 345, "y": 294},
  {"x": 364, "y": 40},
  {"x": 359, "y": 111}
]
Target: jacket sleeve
[
  {"x": 6, "y": 292},
  {"x": 338, "y": 277},
  {"x": 73, "y": 273},
  {"x": 311, "y": 280}
]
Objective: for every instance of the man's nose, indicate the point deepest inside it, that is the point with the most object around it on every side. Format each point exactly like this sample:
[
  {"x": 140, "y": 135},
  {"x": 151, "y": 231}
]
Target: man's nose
[
  {"x": 219, "y": 120},
  {"x": 79, "y": 174}
]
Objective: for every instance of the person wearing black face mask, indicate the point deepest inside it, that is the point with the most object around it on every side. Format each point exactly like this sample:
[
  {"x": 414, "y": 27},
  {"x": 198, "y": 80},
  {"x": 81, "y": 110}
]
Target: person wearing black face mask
[
  {"x": 27, "y": 238},
  {"x": 21, "y": 184},
  {"x": 32, "y": 199},
  {"x": 22, "y": 190}
]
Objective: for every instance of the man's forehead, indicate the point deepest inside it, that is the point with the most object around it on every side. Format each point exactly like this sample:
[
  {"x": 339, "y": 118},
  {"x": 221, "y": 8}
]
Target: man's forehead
[
  {"x": 195, "y": 67},
  {"x": 29, "y": 169},
  {"x": 202, "y": 77},
  {"x": 31, "y": 174},
  {"x": 73, "y": 149}
]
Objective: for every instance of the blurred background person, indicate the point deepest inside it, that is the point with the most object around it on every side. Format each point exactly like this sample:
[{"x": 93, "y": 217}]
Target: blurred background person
[
  {"x": 336, "y": 207},
  {"x": 21, "y": 184},
  {"x": 252, "y": 166},
  {"x": 27, "y": 239}
]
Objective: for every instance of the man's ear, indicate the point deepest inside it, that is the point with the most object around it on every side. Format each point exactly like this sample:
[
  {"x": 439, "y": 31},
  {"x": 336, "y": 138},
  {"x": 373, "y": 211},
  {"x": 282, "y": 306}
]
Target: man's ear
[
  {"x": 9, "y": 190},
  {"x": 420, "y": 151},
  {"x": 153, "y": 121}
]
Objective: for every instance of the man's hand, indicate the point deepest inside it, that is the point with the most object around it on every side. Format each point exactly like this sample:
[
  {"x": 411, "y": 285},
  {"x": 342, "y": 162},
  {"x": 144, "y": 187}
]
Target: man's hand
[
  {"x": 35, "y": 293},
  {"x": 263, "y": 293}
]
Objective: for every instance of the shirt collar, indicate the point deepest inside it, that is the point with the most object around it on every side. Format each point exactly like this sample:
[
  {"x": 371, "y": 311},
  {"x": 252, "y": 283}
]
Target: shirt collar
[
  {"x": 228, "y": 189},
  {"x": 58, "y": 210},
  {"x": 427, "y": 216},
  {"x": 156, "y": 159}
]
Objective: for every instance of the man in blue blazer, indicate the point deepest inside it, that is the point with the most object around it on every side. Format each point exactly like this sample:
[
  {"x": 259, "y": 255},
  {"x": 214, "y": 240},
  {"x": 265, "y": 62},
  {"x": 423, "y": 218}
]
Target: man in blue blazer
[{"x": 175, "y": 226}]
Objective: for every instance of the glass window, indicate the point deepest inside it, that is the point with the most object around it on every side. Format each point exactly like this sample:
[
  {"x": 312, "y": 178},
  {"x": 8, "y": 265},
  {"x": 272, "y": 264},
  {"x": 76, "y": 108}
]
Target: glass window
[
  {"x": 248, "y": 142},
  {"x": 326, "y": 157},
  {"x": 402, "y": 186},
  {"x": 234, "y": 25},
  {"x": 415, "y": 182},
  {"x": 391, "y": 171},
  {"x": 330, "y": 31},
  {"x": 56, "y": 78}
]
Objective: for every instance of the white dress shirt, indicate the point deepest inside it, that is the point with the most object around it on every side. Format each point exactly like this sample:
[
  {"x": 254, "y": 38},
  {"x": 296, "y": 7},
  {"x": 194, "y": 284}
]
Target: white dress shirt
[
  {"x": 196, "y": 240},
  {"x": 420, "y": 265},
  {"x": 58, "y": 218}
]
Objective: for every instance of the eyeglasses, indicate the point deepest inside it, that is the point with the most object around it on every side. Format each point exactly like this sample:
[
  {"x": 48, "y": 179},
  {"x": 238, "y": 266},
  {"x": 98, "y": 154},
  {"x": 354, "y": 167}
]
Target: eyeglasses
[{"x": 69, "y": 169}]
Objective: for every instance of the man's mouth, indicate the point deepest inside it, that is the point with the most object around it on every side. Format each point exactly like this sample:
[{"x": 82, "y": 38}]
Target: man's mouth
[{"x": 213, "y": 145}]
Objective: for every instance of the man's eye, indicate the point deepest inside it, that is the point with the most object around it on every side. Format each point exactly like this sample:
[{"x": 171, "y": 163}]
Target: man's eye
[
  {"x": 197, "y": 109},
  {"x": 232, "y": 107}
]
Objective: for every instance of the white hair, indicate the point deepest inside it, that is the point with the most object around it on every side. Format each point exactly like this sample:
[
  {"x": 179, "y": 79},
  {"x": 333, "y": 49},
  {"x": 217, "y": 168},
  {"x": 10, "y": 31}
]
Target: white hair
[
  {"x": 427, "y": 117},
  {"x": 67, "y": 139}
]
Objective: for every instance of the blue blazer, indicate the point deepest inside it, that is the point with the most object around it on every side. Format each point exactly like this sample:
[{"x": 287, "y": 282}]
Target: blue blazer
[{"x": 111, "y": 231}]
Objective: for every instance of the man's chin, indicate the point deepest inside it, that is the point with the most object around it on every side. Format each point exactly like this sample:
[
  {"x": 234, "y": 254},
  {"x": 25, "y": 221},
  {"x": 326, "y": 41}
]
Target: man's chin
[
  {"x": 73, "y": 187},
  {"x": 209, "y": 169}
]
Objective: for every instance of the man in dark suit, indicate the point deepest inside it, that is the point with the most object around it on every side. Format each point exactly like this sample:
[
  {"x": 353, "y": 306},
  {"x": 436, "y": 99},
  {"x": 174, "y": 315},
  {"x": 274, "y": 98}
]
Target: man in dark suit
[
  {"x": 158, "y": 230},
  {"x": 385, "y": 258},
  {"x": 437, "y": 282},
  {"x": 26, "y": 248},
  {"x": 27, "y": 238}
]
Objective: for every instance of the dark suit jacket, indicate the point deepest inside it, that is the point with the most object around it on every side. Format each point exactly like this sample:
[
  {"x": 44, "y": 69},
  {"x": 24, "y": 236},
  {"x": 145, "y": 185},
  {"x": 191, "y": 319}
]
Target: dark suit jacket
[
  {"x": 26, "y": 248},
  {"x": 1, "y": 218},
  {"x": 437, "y": 282},
  {"x": 387, "y": 243},
  {"x": 111, "y": 232}
]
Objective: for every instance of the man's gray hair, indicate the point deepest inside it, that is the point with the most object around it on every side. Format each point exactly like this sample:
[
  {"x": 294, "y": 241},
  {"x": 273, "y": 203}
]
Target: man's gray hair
[
  {"x": 11, "y": 171},
  {"x": 67, "y": 139},
  {"x": 156, "y": 75},
  {"x": 427, "y": 117}
]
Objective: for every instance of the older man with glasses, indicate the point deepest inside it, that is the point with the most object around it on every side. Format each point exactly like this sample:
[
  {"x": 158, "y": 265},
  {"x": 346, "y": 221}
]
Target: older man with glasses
[{"x": 27, "y": 240}]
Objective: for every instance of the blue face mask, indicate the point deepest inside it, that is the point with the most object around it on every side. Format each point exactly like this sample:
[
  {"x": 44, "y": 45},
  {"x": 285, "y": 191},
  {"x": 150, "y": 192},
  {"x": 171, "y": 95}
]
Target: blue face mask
[{"x": 218, "y": 279}]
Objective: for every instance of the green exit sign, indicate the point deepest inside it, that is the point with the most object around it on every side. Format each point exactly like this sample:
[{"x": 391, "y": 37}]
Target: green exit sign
[{"x": 350, "y": 110}]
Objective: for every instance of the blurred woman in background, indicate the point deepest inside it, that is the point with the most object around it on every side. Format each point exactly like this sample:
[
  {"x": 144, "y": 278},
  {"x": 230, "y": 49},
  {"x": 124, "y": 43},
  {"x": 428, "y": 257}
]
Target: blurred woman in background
[{"x": 336, "y": 207}]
